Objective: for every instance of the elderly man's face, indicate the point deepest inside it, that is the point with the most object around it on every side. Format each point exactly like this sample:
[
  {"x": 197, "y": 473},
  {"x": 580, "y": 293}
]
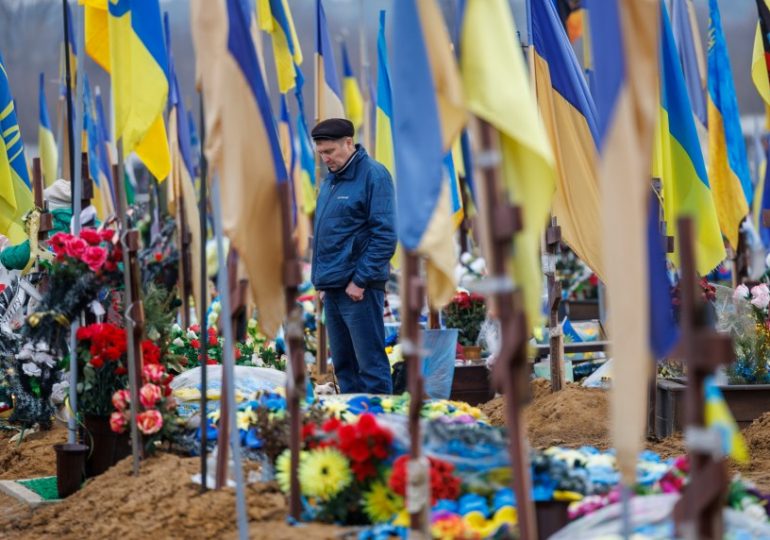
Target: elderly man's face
[{"x": 335, "y": 154}]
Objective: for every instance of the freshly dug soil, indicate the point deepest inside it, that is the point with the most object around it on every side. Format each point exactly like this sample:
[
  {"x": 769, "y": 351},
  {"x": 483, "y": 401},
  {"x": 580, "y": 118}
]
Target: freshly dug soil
[
  {"x": 161, "y": 502},
  {"x": 494, "y": 408},
  {"x": 32, "y": 457},
  {"x": 758, "y": 440}
]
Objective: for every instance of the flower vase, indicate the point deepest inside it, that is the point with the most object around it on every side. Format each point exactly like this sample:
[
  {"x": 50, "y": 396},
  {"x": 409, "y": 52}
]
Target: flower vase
[
  {"x": 70, "y": 465},
  {"x": 102, "y": 442},
  {"x": 472, "y": 353}
]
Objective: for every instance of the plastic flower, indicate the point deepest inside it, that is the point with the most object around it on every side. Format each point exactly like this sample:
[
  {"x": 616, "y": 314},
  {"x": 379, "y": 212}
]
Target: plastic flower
[
  {"x": 760, "y": 296},
  {"x": 336, "y": 409},
  {"x": 118, "y": 422},
  {"x": 741, "y": 292},
  {"x": 75, "y": 247},
  {"x": 381, "y": 504},
  {"x": 153, "y": 372},
  {"x": 149, "y": 422},
  {"x": 149, "y": 394},
  {"x": 91, "y": 236},
  {"x": 324, "y": 473},
  {"x": 95, "y": 257},
  {"x": 121, "y": 399},
  {"x": 283, "y": 469}
]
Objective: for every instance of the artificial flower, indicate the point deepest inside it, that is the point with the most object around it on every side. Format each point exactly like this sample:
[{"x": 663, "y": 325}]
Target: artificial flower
[
  {"x": 118, "y": 422},
  {"x": 149, "y": 395},
  {"x": 90, "y": 235},
  {"x": 741, "y": 292},
  {"x": 95, "y": 257},
  {"x": 121, "y": 399},
  {"x": 58, "y": 242},
  {"x": 75, "y": 247},
  {"x": 96, "y": 361},
  {"x": 283, "y": 469},
  {"x": 150, "y": 352},
  {"x": 381, "y": 504},
  {"x": 335, "y": 409},
  {"x": 107, "y": 235},
  {"x": 149, "y": 422},
  {"x": 178, "y": 342},
  {"x": 324, "y": 473},
  {"x": 760, "y": 296},
  {"x": 153, "y": 372},
  {"x": 31, "y": 369}
]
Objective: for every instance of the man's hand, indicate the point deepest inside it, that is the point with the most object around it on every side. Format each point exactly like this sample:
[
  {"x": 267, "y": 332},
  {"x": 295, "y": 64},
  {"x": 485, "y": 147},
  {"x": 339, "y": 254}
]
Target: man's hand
[
  {"x": 321, "y": 295},
  {"x": 355, "y": 292}
]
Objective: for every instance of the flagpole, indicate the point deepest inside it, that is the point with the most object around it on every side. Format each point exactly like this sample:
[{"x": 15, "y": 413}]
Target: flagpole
[
  {"x": 202, "y": 308},
  {"x": 228, "y": 367}
]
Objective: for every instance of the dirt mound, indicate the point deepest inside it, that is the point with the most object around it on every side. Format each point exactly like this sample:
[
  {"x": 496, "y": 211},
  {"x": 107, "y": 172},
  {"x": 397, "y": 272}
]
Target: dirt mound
[
  {"x": 494, "y": 408},
  {"x": 159, "y": 503},
  {"x": 32, "y": 456},
  {"x": 574, "y": 416},
  {"x": 758, "y": 436}
]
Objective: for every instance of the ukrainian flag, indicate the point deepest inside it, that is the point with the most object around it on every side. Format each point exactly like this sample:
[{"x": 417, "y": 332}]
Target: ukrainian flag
[
  {"x": 498, "y": 91},
  {"x": 354, "y": 101},
  {"x": 760, "y": 60},
  {"x": 678, "y": 161},
  {"x": 290, "y": 148},
  {"x": 685, "y": 31},
  {"x": 453, "y": 164},
  {"x": 15, "y": 187},
  {"x": 244, "y": 148},
  {"x": 138, "y": 62},
  {"x": 430, "y": 113},
  {"x": 105, "y": 153},
  {"x": 625, "y": 44},
  {"x": 102, "y": 200},
  {"x": 49, "y": 154},
  {"x": 275, "y": 19},
  {"x": 97, "y": 33},
  {"x": 383, "y": 135},
  {"x": 728, "y": 165},
  {"x": 73, "y": 54},
  {"x": 306, "y": 170},
  {"x": 569, "y": 115},
  {"x": 328, "y": 91},
  {"x": 719, "y": 418}
]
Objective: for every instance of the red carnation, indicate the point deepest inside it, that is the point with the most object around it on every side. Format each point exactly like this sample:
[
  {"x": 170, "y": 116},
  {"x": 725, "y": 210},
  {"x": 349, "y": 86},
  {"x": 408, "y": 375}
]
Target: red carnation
[
  {"x": 90, "y": 236},
  {"x": 96, "y": 361}
]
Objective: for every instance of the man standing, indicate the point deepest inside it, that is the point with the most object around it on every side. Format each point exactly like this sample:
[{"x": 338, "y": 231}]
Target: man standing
[{"x": 354, "y": 240}]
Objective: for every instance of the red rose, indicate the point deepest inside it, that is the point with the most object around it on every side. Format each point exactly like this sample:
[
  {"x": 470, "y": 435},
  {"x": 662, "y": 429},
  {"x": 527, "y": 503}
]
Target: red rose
[
  {"x": 118, "y": 422},
  {"x": 96, "y": 361},
  {"x": 213, "y": 342},
  {"x": 195, "y": 344},
  {"x": 150, "y": 352},
  {"x": 90, "y": 236},
  {"x": 75, "y": 247},
  {"x": 58, "y": 242},
  {"x": 153, "y": 373},
  {"x": 195, "y": 328},
  {"x": 149, "y": 422},
  {"x": 110, "y": 266},
  {"x": 211, "y": 362},
  {"x": 120, "y": 370},
  {"x": 95, "y": 257},
  {"x": 107, "y": 235},
  {"x": 238, "y": 353}
]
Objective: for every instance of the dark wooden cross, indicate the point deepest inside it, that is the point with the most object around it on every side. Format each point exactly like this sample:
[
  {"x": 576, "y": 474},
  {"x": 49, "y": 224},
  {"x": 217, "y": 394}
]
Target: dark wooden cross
[
  {"x": 698, "y": 513},
  {"x": 46, "y": 220},
  {"x": 511, "y": 369},
  {"x": 556, "y": 340},
  {"x": 185, "y": 259},
  {"x": 88, "y": 185}
]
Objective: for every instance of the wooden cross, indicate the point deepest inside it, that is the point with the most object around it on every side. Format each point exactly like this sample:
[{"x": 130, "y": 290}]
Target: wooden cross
[
  {"x": 511, "y": 370},
  {"x": 556, "y": 339},
  {"x": 46, "y": 220},
  {"x": 698, "y": 513}
]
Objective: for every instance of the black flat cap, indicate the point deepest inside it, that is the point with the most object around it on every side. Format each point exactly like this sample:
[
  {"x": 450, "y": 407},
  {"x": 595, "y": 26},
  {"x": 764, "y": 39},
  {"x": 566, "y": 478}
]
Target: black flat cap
[{"x": 333, "y": 129}]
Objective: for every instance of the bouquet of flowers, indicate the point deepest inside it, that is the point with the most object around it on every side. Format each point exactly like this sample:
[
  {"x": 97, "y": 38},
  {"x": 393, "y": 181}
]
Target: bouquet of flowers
[
  {"x": 466, "y": 312},
  {"x": 752, "y": 348},
  {"x": 102, "y": 366},
  {"x": 156, "y": 417},
  {"x": 84, "y": 267}
]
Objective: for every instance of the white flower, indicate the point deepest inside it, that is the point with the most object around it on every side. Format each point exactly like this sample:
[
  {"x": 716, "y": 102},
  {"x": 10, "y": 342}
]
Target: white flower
[
  {"x": 176, "y": 328},
  {"x": 42, "y": 346},
  {"x": 59, "y": 391},
  {"x": 216, "y": 307},
  {"x": 760, "y": 296},
  {"x": 26, "y": 352},
  {"x": 212, "y": 319},
  {"x": 756, "y": 512},
  {"x": 252, "y": 324},
  {"x": 191, "y": 335},
  {"x": 466, "y": 258},
  {"x": 741, "y": 292},
  {"x": 257, "y": 361},
  {"x": 42, "y": 358},
  {"x": 31, "y": 369},
  {"x": 478, "y": 266},
  {"x": 178, "y": 342}
]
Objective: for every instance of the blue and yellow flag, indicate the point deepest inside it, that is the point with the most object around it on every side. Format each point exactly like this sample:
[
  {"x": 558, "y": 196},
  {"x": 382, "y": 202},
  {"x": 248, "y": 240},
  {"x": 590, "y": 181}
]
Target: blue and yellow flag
[
  {"x": 275, "y": 19},
  {"x": 105, "y": 155},
  {"x": 138, "y": 65},
  {"x": 498, "y": 91},
  {"x": 97, "y": 32},
  {"x": 49, "y": 154},
  {"x": 15, "y": 187},
  {"x": 102, "y": 200},
  {"x": 678, "y": 160},
  {"x": 427, "y": 96},
  {"x": 329, "y": 91},
  {"x": 569, "y": 115},
  {"x": 383, "y": 134},
  {"x": 306, "y": 168},
  {"x": 728, "y": 165},
  {"x": 354, "y": 101},
  {"x": 625, "y": 46},
  {"x": 73, "y": 54},
  {"x": 242, "y": 146},
  {"x": 684, "y": 26},
  {"x": 760, "y": 60},
  {"x": 453, "y": 164},
  {"x": 719, "y": 417}
]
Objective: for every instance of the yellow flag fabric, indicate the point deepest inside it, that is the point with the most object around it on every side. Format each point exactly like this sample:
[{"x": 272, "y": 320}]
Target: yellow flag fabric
[
  {"x": 242, "y": 147},
  {"x": 97, "y": 34},
  {"x": 498, "y": 91},
  {"x": 140, "y": 89},
  {"x": 274, "y": 17}
]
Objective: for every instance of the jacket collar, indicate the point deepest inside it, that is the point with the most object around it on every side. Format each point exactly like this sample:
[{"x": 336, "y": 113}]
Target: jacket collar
[{"x": 348, "y": 171}]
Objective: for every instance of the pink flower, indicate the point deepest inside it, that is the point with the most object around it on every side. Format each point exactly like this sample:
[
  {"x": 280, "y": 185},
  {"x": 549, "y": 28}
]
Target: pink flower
[
  {"x": 90, "y": 236},
  {"x": 95, "y": 257},
  {"x": 118, "y": 422},
  {"x": 121, "y": 399},
  {"x": 75, "y": 247},
  {"x": 149, "y": 394},
  {"x": 153, "y": 372},
  {"x": 107, "y": 235},
  {"x": 741, "y": 292},
  {"x": 149, "y": 422},
  {"x": 58, "y": 242},
  {"x": 760, "y": 296}
]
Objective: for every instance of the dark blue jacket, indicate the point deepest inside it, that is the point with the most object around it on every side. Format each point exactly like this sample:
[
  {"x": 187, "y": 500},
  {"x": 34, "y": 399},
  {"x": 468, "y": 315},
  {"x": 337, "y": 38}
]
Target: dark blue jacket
[{"x": 354, "y": 236}]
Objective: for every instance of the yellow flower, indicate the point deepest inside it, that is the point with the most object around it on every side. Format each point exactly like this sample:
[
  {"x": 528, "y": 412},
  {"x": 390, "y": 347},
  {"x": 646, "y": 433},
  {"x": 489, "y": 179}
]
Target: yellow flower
[
  {"x": 214, "y": 416},
  {"x": 283, "y": 468},
  {"x": 381, "y": 504},
  {"x": 336, "y": 409},
  {"x": 387, "y": 404},
  {"x": 324, "y": 473}
]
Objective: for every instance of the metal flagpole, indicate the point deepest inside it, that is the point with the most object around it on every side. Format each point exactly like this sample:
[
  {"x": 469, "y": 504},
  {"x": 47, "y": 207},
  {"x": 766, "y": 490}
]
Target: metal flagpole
[
  {"x": 228, "y": 366},
  {"x": 204, "y": 297}
]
